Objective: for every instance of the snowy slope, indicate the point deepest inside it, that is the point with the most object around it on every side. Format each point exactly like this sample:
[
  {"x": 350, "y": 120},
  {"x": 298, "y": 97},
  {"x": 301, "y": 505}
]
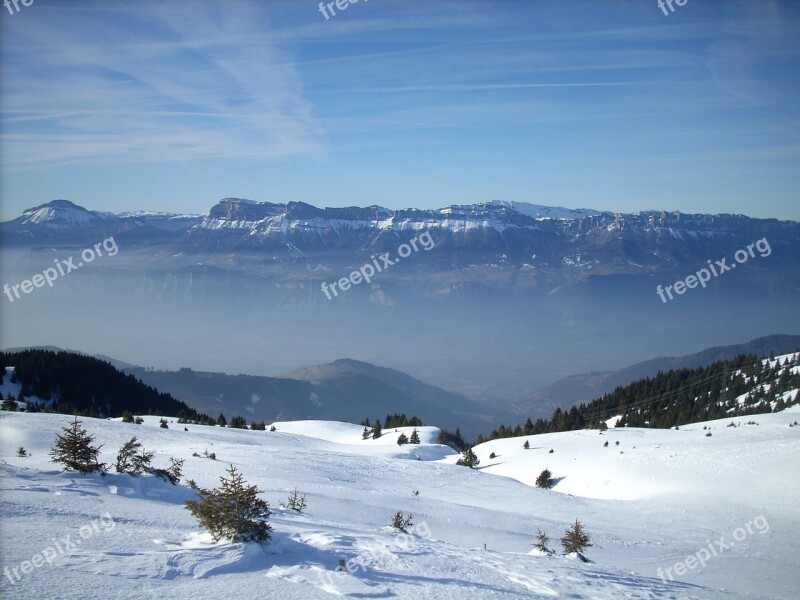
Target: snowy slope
[
  {"x": 538, "y": 211},
  {"x": 132, "y": 538}
]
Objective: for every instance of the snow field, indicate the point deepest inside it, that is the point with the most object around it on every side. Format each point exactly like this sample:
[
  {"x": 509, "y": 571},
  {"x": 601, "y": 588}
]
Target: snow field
[{"x": 646, "y": 509}]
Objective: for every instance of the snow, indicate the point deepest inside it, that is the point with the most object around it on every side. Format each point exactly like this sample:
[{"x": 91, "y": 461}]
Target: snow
[
  {"x": 646, "y": 509},
  {"x": 61, "y": 214},
  {"x": 537, "y": 211},
  {"x": 459, "y": 219},
  {"x": 14, "y": 389}
]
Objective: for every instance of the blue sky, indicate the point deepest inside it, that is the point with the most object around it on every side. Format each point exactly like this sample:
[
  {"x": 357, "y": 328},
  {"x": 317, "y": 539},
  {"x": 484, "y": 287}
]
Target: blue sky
[{"x": 172, "y": 105}]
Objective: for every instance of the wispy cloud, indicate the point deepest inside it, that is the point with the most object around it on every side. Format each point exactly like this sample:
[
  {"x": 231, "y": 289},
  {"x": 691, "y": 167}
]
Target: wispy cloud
[
  {"x": 504, "y": 96},
  {"x": 152, "y": 83}
]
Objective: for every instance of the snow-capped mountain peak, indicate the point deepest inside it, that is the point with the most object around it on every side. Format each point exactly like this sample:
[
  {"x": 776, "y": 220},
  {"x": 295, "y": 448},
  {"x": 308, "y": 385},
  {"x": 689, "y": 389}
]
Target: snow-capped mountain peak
[
  {"x": 61, "y": 214},
  {"x": 538, "y": 211}
]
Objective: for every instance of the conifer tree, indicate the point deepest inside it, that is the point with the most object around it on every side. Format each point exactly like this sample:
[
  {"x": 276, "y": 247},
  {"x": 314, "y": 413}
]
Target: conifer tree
[
  {"x": 545, "y": 480},
  {"x": 132, "y": 458},
  {"x": 172, "y": 473},
  {"x": 468, "y": 459},
  {"x": 238, "y": 422},
  {"x": 295, "y": 501},
  {"x": 542, "y": 539},
  {"x": 575, "y": 538},
  {"x": 402, "y": 439},
  {"x": 9, "y": 403},
  {"x": 399, "y": 521},
  {"x": 74, "y": 450},
  {"x": 376, "y": 430},
  {"x": 414, "y": 437},
  {"x": 232, "y": 511}
]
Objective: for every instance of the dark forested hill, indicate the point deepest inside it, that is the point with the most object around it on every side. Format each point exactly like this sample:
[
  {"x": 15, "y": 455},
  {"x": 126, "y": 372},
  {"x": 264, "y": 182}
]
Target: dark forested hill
[
  {"x": 744, "y": 385},
  {"x": 68, "y": 382}
]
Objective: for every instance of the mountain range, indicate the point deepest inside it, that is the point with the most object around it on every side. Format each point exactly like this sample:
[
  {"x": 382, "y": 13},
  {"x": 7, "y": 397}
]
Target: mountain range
[
  {"x": 508, "y": 298},
  {"x": 502, "y": 234}
]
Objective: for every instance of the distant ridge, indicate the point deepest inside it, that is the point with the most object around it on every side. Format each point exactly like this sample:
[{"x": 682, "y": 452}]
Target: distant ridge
[{"x": 575, "y": 389}]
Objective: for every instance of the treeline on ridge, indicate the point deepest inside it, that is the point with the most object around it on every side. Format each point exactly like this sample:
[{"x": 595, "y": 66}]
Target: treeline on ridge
[
  {"x": 73, "y": 383},
  {"x": 675, "y": 398}
]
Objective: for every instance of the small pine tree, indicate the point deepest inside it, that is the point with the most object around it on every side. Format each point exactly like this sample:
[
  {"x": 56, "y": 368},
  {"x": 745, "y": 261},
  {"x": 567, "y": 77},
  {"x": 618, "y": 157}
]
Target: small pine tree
[
  {"x": 414, "y": 437},
  {"x": 138, "y": 420},
  {"x": 575, "y": 538},
  {"x": 163, "y": 424},
  {"x": 526, "y": 445},
  {"x": 172, "y": 473},
  {"x": 9, "y": 403},
  {"x": 132, "y": 458},
  {"x": 221, "y": 421},
  {"x": 21, "y": 452},
  {"x": 401, "y": 522},
  {"x": 273, "y": 428},
  {"x": 468, "y": 459},
  {"x": 295, "y": 501},
  {"x": 127, "y": 417},
  {"x": 493, "y": 455},
  {"x": 402, "y": 439},
  {"x": 74, "y": 450},
  {"x": 365, "y": 433},
  {"x": 232, "y": 511},
  {"x": 542, "y": 539},
  {"x": 238, "y": 422},
  {"x": 376, "y": 430},
  {"x": 545, "y": 480},
  {"x": 606, "y": 444}
]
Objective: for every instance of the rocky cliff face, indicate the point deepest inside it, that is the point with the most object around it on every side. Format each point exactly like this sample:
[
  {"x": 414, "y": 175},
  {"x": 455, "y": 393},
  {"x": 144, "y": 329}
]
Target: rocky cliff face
[{"x": 494, "y": 234}]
